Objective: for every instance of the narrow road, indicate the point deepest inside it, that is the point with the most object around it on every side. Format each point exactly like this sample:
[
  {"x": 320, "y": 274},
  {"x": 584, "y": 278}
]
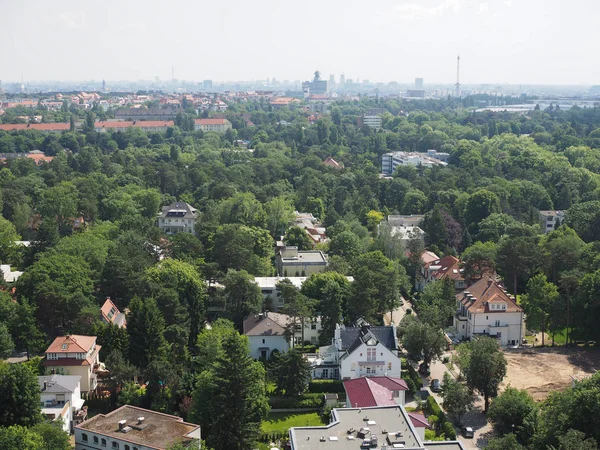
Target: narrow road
[{"x": 475, "y": 419}]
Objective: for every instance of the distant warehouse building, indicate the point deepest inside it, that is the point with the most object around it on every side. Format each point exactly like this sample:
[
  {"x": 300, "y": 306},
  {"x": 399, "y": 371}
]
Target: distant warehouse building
[{"x": 391, "y": 161}]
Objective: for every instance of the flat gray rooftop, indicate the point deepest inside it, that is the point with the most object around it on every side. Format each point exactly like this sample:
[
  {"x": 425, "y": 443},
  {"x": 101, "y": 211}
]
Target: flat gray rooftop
[
  {"x": 159, "y": 430},
  {"x": 390, "y": 424}
]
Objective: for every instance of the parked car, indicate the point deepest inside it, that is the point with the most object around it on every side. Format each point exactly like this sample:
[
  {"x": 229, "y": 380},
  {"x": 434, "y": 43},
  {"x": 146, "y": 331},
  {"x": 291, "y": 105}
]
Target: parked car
[
  {"x": 424, "y": 370},
  {"x": 468, "y": 432},
  {"x": 436, "y": 386}
]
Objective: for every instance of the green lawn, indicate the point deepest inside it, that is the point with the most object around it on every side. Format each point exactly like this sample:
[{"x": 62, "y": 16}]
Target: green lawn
[
  {"x": 560, "y": 338},
  {"x": 282, "y": 422}
]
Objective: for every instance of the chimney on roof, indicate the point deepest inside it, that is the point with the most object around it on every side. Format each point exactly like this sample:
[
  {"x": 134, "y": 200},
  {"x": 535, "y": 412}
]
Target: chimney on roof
[{"x": 45, "y": 386}]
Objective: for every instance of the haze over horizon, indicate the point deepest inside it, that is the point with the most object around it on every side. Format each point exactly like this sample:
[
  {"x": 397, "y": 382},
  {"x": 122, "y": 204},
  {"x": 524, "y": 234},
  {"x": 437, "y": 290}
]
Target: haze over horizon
[{"x": 499, "y": 41}]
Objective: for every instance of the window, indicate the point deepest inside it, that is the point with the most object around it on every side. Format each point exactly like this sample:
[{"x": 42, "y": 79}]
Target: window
[
  {"x": 60, "y": 399},
  {"x": 95, "y": 439},
  {"x": 325, "y": 373},
  {"x": 263, "y": 341},
  {"x": 52, "y": 356},
  {"x": 103, "y": 443},
  {"x": 84, "y": 437},
  {"x": 115, "y": 445},
  {"x": 497, "y": 323},
  {"x": 371, "y": 354},
  {"x": 313, "y": 326},
  {"x": 127, "y": 447},
  {"x": 64, "y": 347}
]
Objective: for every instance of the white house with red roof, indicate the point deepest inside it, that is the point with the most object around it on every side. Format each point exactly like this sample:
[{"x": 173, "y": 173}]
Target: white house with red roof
[
  {"x": 486, "y": 309},
  {"x": 75, "y": 355}
]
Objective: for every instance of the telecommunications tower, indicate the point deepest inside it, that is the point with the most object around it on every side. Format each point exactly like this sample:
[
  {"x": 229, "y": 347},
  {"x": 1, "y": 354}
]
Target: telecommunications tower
[{"x": 457, "y": 76}]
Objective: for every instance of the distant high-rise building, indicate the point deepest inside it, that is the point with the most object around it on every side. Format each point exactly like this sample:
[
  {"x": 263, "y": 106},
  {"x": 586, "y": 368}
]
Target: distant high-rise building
[
  {"x": 342, "y": 81},
  {"x": 316, "y": 86},
  {"x": 207, "y": 84},
  {"x": 418, "y": 83},
  {"x": 331, "y": 82}
]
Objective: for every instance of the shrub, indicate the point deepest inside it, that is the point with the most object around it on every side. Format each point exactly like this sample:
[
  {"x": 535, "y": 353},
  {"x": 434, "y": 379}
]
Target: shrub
[
  {"x": 446, "y": 360},
  {"x": 432, "y": 407},
  {"x": 300, "y": 401},
  {"x": 449, "y": 431},
  {"x": 408, "y": 312},
  {"x": 326, "y": 386}
]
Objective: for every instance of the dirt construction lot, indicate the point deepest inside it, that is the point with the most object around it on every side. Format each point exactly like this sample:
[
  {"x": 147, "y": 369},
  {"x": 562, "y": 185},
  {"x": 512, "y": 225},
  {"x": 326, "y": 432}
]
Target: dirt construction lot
[{"x": 543, "y": 370}]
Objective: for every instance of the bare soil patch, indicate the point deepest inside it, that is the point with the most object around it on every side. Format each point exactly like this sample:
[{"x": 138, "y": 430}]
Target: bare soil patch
[{"x": 543, "y": 370}]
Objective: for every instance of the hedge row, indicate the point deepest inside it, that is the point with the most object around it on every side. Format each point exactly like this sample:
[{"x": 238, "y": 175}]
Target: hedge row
[
  {"x": 326, "y": 386},
  {"x": 314, "y": 400},
  {"x": 437, "y": 418},
  {"x": 272, "y": 437}
]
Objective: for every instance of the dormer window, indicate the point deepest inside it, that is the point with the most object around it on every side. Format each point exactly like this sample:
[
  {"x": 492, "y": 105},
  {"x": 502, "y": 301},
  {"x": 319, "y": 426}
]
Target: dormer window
[
  {"x": 64, "y": 347},
  {"x": 371, "y": 342}
]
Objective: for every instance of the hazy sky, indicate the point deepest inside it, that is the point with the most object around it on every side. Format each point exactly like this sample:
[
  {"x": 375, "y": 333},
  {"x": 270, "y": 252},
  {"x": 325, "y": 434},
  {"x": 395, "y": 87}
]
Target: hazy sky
[{"x": 499, "y": 41}]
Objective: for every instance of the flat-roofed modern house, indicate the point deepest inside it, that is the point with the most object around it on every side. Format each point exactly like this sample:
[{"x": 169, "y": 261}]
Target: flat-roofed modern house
[
  {"x": 75, "y": 355},
  {"x": 178, "y": 217},
  {"x": 133, "y": 428},
  {"x": 380, "y": 427},
  {"x": 293, "y": 262}
]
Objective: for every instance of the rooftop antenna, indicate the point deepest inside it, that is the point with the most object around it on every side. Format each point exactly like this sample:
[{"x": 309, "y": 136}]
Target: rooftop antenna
[{"x": 457, "y": 76}]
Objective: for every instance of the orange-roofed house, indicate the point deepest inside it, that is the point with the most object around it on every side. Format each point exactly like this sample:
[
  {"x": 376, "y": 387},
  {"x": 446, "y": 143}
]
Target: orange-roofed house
[
  {"x": 111, "y": 314},
  {"x": 333, "y": 163},
  {"x": 217, "y": 125},
  {"x": 75, "y": 355},
  {"x": 440, "y": 269},
  {"x": 486, "y": 309}
]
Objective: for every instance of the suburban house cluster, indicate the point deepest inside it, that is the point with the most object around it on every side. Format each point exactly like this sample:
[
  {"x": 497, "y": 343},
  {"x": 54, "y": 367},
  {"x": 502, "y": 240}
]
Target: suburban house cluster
[{"x": 484, "y": 307}]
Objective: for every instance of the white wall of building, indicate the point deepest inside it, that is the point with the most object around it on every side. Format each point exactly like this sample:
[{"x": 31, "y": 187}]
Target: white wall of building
[
  {"x": 358, "y": 364},
  {"x": 509, "y": 325},
  {"x": 268, "y": 343}
]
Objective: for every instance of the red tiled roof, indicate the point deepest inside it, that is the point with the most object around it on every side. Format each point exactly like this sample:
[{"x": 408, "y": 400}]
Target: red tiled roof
[
  {"x": 418, "y": 420},
  {"x": 35, "y": 126},
  {"x": 449, "y": 268},
  {"x": 428, "y": 256},
  {"x": 373, "y": 391},
  {"x": 484, "y": 292},
  {"x": 73, "y": 344}
]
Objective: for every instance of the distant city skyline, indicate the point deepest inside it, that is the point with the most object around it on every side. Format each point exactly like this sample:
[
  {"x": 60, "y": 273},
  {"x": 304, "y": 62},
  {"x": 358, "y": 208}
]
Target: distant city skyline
[{"x": 532, "y": 42}]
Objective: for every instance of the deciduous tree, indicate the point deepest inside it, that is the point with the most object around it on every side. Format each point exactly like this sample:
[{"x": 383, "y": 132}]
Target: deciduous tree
[{"x": 487, "y": 368}]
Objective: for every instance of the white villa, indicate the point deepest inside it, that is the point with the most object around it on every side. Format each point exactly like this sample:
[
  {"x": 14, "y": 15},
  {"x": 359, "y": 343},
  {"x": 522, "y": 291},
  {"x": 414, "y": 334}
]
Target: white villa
[
  {"x": 486, "y": 309},
  {"x": 357, "y": 352}
]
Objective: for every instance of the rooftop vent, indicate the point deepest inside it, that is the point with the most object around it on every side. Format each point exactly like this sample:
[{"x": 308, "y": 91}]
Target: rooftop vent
[
  {"x": 322, "y": 439},
  {"x": 122, "y": 424},
  {"x": 140, "y": 420}
]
